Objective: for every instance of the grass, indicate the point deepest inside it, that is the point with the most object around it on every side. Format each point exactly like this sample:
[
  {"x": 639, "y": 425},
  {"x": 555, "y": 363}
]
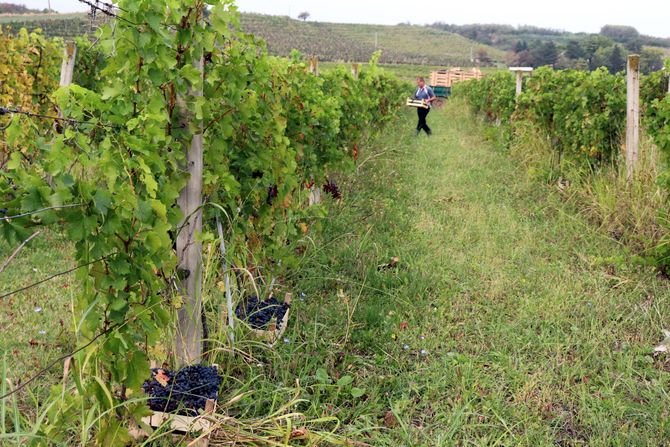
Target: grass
[
  {"x": 509, "y": 319},
  {"x": 36, "y": 324},
  {"x": 533, "y": 334},
  {"x": 633, "y": 213}
]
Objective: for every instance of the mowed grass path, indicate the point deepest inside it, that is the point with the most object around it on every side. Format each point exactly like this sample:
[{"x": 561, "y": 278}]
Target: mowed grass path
[{"x": 509, "y": 320}]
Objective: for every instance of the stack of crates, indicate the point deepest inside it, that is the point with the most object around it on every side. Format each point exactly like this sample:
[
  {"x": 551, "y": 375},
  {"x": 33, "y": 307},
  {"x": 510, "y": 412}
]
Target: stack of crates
[{"x": 442, "y": 80}]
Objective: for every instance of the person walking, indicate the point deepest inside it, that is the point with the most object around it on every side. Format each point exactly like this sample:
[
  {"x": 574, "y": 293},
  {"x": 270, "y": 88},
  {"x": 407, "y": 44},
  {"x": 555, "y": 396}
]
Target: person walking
[{"x": 426, "y": 93}]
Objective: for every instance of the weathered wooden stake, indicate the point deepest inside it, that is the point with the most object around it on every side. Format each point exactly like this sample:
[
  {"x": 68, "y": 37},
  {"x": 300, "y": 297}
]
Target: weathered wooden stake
[
  {"x": 67, "y": 67},
  {"x": 314, "y": 195},
  {"x": 314, "y": 65},
  {"x": 66, "y": 75},
  {"x": 355, "y": 70},
  {"x": 633, "y": 114},
  {"x": 519, "y": 77},
  {"x": 519, "y": 82},
  {"x": 189, "y": 250}
]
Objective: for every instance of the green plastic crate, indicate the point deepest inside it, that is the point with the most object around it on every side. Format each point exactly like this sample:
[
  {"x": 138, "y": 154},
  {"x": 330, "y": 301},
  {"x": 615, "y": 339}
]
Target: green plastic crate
[{"x": 443, "y": 92}]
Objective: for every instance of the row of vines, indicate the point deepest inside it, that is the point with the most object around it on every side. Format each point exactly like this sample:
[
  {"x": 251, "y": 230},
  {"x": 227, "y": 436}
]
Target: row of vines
[
  {"x": 583, "y": 114},
  {"x": 580, "y": 119},
  {"x": 110, "y": 173}
]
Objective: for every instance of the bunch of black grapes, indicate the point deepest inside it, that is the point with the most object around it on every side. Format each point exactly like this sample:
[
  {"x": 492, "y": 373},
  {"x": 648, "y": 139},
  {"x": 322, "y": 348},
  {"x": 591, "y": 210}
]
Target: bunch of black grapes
[
  {"x": 273, "y": 192},
  {"x": 185, "y": 392},
  {"x": 259, "y": 313},
  {"x": 331, "y": 188}
]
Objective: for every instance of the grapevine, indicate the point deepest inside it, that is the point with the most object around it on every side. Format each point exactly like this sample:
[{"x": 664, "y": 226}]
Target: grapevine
[{"x": 268, "y": 125}]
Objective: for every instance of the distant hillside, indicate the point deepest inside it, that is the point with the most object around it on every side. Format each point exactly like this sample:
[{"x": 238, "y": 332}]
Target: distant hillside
[
  {"x": 53, "y": 25},
  {"x": 505, "y": 36},
  {"x": 401, "y": 44},
  {"x": 13, "y": 8},
  {"x": 405, "y": 44}
]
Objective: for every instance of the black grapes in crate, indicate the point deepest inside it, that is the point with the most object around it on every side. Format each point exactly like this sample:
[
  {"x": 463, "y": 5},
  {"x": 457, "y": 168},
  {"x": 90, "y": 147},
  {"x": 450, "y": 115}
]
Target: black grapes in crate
[
  {"x": 259, "y": 314},
  {"x": 184, "y": 392}
]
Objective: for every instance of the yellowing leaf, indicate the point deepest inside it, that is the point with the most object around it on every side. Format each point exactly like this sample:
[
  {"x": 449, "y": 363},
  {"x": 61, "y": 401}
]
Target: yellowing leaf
[{"x": 162, "y": 378}]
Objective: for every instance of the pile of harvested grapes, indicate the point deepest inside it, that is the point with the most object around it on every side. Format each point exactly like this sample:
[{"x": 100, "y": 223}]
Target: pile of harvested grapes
[
  {"x": 259, "y": 314},
  {"x": 184, "y": 392}
]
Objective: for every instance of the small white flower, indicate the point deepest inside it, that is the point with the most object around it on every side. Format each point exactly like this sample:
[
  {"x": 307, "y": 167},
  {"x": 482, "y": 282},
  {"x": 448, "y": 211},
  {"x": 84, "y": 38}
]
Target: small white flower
[
  {"x": 424, "y": 352},
  {"x": 405, "y": 347},
  {"x": 38, "y": 309},
  {"x": 42, "y": 332}
]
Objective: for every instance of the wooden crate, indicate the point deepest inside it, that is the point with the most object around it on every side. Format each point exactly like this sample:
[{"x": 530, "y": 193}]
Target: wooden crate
[
  {"x": 447, "y": 78},
  {"x": 272, "y": 335},
  {"x": 200, "y": 427},
  {"x": 419, "y": 103},
  {"x": 182, "y": 424}
]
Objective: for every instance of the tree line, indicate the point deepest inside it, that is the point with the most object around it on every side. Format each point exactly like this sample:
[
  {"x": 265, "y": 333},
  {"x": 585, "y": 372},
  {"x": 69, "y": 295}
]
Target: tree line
[{"x": 535, "y": 46}]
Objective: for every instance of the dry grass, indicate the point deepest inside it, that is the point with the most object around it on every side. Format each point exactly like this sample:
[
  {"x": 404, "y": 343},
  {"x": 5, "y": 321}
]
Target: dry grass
[{"x": 633, "y": 213}]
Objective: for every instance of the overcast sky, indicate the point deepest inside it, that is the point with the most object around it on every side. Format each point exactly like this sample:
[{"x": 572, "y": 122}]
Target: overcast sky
[{"x": 648, "y": 16}]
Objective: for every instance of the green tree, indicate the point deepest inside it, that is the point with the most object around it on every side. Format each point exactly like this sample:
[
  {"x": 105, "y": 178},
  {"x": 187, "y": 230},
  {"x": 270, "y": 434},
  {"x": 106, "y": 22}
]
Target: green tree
[
  {"x": 651, "y": 59},
  {"x": 519, "y": 46},
  {"x": 483, "y": 56},
  {"x": 617, "y": 61},
  {"x": 574, "y": 50},
  {"x": 634, "y": 46},
  {"x": 546, "y": 54},
  {"x": 525, "y": 59},
  {"x": 595, "y": 50},
  {"x": 620, "y": 33}
]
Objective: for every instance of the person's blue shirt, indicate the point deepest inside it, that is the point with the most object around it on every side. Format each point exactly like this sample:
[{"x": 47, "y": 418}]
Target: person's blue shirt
[{"x": 424, "y": 93}]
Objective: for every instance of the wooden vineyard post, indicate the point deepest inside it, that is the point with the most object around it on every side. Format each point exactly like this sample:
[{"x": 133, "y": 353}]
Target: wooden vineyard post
[
  {"x": 314, "y": 65},
  {"x": 355, "y": 70},
  {"x": 67, "y": 67},
  {"x": 633, "y": 114},
  {"x": 189, "y": 250},
  {"x": 66, "y": 75},
  {"x": 519, "y": 77},
  {"x": 314, "y": 195}
]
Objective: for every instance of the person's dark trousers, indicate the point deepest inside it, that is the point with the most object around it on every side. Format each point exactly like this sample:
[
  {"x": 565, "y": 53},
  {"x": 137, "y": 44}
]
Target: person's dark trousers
[{"x": 423, "y": 113}]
